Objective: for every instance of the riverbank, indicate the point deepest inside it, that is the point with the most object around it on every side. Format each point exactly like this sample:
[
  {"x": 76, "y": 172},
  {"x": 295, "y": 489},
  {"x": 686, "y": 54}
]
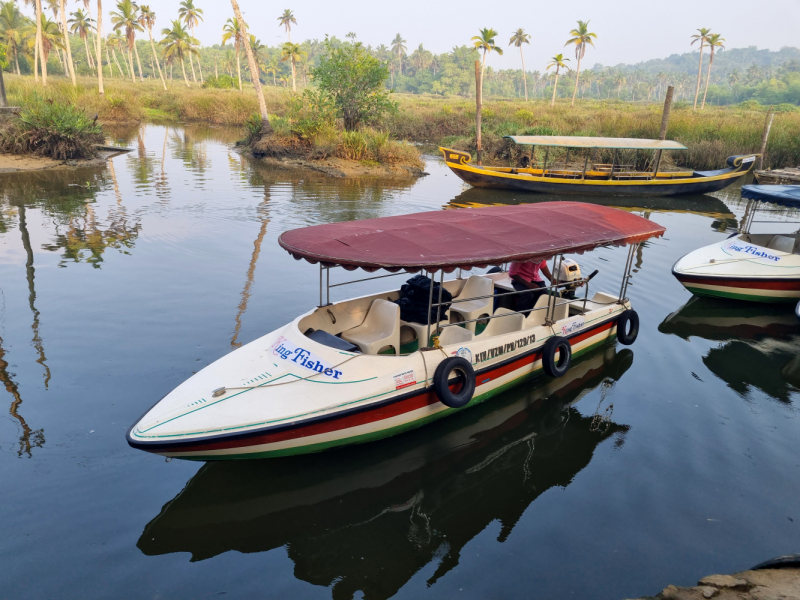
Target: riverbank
[
  {"x": 711, "y": 135},
  {"x": 762, "y": 584}
]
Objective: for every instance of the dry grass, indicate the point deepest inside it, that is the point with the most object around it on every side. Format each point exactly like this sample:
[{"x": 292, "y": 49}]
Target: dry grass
[{"x": 711, "y": 135}]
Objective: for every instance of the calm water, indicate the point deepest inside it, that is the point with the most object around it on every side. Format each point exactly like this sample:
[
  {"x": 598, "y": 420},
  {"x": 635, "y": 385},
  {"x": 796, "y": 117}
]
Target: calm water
[{"x": 654, "y": 464}]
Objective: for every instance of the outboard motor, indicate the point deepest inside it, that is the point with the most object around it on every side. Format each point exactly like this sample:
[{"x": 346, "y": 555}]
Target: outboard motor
[{"x": 568, "y": 271}]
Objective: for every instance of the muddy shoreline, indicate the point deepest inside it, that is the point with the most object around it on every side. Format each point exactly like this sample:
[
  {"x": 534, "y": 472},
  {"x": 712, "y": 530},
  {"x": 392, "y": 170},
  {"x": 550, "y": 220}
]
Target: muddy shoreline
[
  {"x": 340, "y": 168},
  {"x": 22, "y": 163}
]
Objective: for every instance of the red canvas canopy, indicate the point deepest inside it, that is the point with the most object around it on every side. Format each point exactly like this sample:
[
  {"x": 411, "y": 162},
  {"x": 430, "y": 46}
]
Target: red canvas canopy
[{"x": 466, "y": 238}]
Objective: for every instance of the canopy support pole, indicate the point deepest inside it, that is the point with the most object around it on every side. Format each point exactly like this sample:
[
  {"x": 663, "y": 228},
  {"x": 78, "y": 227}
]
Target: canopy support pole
[
  {"x": 430, "y": 306},
  {"x": 585, "y": 164},
  {"x": 546, "y": 154},
  {"x": 613, "y": 161},
  {"x": 320, "y": 285},
  {"x": 566, "y": 160},
  {"x": 552, "y": 301},
  {"x": 438, "y": 307},
  {"x": 328, "y": 286},
  {"x": 623, "y": 289}
]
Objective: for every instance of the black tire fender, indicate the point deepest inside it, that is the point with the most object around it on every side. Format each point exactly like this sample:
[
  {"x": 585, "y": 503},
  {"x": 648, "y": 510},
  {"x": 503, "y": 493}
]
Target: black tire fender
[
  {"x": 562, "y": 346},
  {"x": 625, "y": 336},
  {"x": 442, "y": 383}
]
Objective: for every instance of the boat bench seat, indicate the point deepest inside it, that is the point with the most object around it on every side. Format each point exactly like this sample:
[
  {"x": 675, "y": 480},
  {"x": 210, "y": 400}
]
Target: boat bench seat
[
  {"x": 454, "y": 335},
  {"x": 503, "y": 321},
  {"x": 421, "y": 330},
  {"x": 782, "y": 243},
  {"x": 476, "y": 286},
  {"x": 380, "y": 328}
]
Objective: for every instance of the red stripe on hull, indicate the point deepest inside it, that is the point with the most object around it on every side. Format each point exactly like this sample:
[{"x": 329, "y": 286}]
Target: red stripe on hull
[
  {"x": 424, "y": 398},
  {"x": 789, "y": 285}
]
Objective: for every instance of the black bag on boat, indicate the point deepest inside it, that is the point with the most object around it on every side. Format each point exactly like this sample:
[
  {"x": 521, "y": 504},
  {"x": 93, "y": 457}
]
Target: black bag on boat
[{"x": 414, "y": 296}]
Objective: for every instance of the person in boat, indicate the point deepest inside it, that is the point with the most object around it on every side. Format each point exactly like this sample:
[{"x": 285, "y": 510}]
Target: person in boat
[{"x": 527, "y": 277}]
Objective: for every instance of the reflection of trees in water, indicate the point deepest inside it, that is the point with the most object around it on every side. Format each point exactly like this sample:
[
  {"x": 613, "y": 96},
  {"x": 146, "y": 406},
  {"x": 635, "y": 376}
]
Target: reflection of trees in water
[
  {"x": 759, "y": 343},
  {"x": 29, "y": 438},
  {"x": 370, "y": 517},
  {"x": 186, "y": 148},
  {"x": 86, "y": 238},
  {"x": 30, "y": 273},
  {"x": 242, "y": 308}
]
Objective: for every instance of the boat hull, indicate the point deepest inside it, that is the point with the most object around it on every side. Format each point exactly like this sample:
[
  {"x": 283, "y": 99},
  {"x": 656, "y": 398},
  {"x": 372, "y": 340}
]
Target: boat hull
[
  {"x": 393, "y": 415},
  {"x": 488, "y": 178},
  {"x": 741, "y": 270}
]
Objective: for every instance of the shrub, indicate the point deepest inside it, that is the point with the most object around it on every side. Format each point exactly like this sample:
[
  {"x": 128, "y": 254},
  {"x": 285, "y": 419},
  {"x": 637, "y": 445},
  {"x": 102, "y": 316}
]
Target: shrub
[
  {"x": 56, "y": 130},
  {"x": 221, "y": 82}
]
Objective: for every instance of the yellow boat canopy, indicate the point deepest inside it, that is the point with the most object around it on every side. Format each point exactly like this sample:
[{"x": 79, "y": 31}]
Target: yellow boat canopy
[{"x": 569, "y": 141}]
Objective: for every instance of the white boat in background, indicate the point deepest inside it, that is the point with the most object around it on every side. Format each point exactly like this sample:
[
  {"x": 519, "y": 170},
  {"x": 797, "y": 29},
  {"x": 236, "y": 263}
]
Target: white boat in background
[
  {"x": 326, "y": 380},
  {"x": 760, "y": 267}
]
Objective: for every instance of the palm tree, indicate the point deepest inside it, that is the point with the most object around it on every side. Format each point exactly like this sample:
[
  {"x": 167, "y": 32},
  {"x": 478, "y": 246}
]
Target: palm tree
[
  {"x": 518, "y": 38},
  {"x": 292, "y": 53},
  {"x": 485, "y": 41},
  {"x": 148, "y": 18},
  {"x": 580, "y": 37},
  {"x": 702, "y": 37},
  {"x": 116, "y": 41},
  {"x": 13, "y": 25},
  {"x": 266, "y": 127},
  {"x": 99, "y": 47},
  {"x": 734, "y": 77},
  {"x": 50, "y": 38},
  {"x": 178, "y": 44},
  {"x": 715, "y": 40},
  {"x": 559, "y": 62},
  {"x": 67, "y": 45},
  {"x": 272, "y": 68},
  {"x": 286, "y": 20},
  {"x": 81, "y": 25},
  {"x": 230, "y": 30},
  {"x": 192, "y": 16},
  {"x": 398, "y": 49},
  {"x": 127, "y": 18}
]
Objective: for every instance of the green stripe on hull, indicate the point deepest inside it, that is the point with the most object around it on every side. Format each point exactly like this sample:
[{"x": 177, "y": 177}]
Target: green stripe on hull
[
  {"x": 735, "y": 296},
  {"x": 391, "y": 431}
]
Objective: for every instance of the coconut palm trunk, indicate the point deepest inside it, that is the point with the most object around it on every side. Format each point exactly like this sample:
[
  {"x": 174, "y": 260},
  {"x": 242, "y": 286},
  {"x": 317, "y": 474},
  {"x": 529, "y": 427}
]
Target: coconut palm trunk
[
  {"x": 138, "y": 62},
  {"x": 577, "y": 75},
  {"x": 183, "y": 68},
  {"x": 708, "y": 78},
  {"x": 16, "y": 60},
  {"x": 266, "y": 127},
  {"x": 116, "y": 60},
  {"x": 294, "y": 85},
  {"x": 108, "y": 61},
  {"x": 191, "y": 64},
  {"x": 130, "y": 65},
  {"x": 239, "y": 69},
  {"x": 88, "y": 54},
  {"x": 155, "y": 57},
  {"x": 555, "y": 87},
  {"x": 39, "y": 44},
  {"x": 524, "y": 78},
  {"x": 99, "y": 48},
  {"x": 699, "y": 76}
]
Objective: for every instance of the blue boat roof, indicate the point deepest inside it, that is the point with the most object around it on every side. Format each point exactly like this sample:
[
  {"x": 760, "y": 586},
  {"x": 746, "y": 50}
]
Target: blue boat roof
[{"x": 787, "y": 195}]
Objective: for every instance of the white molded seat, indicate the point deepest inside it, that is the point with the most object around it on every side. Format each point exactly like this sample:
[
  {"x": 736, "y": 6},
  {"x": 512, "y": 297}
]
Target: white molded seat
[
  {"x": 454, "y": 335},
  {"x": 474, "y": 309},
  {"x": 781, "y": 243},
  {"x": 380, "y": 328},
  {"x": 536, "y": 318},
  {"x": 500, "y": 323}
]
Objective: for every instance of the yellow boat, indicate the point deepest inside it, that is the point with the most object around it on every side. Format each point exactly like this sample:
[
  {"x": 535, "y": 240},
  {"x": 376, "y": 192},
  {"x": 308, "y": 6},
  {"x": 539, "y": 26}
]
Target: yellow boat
[{"x": 586, "y": 176}]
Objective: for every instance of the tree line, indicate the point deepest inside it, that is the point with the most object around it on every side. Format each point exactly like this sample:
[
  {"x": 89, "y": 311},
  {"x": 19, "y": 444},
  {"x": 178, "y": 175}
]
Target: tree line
[{"x": 66, "y": 43}]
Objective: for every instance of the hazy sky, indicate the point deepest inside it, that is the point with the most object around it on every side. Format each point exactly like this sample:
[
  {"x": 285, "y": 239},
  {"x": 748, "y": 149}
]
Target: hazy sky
[{"x": 628, "y": 30}]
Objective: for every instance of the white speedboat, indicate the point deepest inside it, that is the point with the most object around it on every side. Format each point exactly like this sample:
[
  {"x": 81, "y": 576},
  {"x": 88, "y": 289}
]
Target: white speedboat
[
  {"x": 326, "y": 379},
  {"x": 761, "y": 267}
]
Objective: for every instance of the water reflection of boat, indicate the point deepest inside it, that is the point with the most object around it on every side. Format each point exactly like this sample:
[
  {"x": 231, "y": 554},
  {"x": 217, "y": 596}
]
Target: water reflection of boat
[
  {"x": 697, "y": 204},
  {"x": 369, "y": 521},
  {"x": 761, "y": 344}
]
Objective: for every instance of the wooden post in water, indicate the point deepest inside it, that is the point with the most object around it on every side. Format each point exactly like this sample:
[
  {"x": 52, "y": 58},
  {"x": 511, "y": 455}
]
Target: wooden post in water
[
  {"x": 765, "y": 137},
  {"x": 662, "y": 135},
  {"x": 478, "y": 109}
]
